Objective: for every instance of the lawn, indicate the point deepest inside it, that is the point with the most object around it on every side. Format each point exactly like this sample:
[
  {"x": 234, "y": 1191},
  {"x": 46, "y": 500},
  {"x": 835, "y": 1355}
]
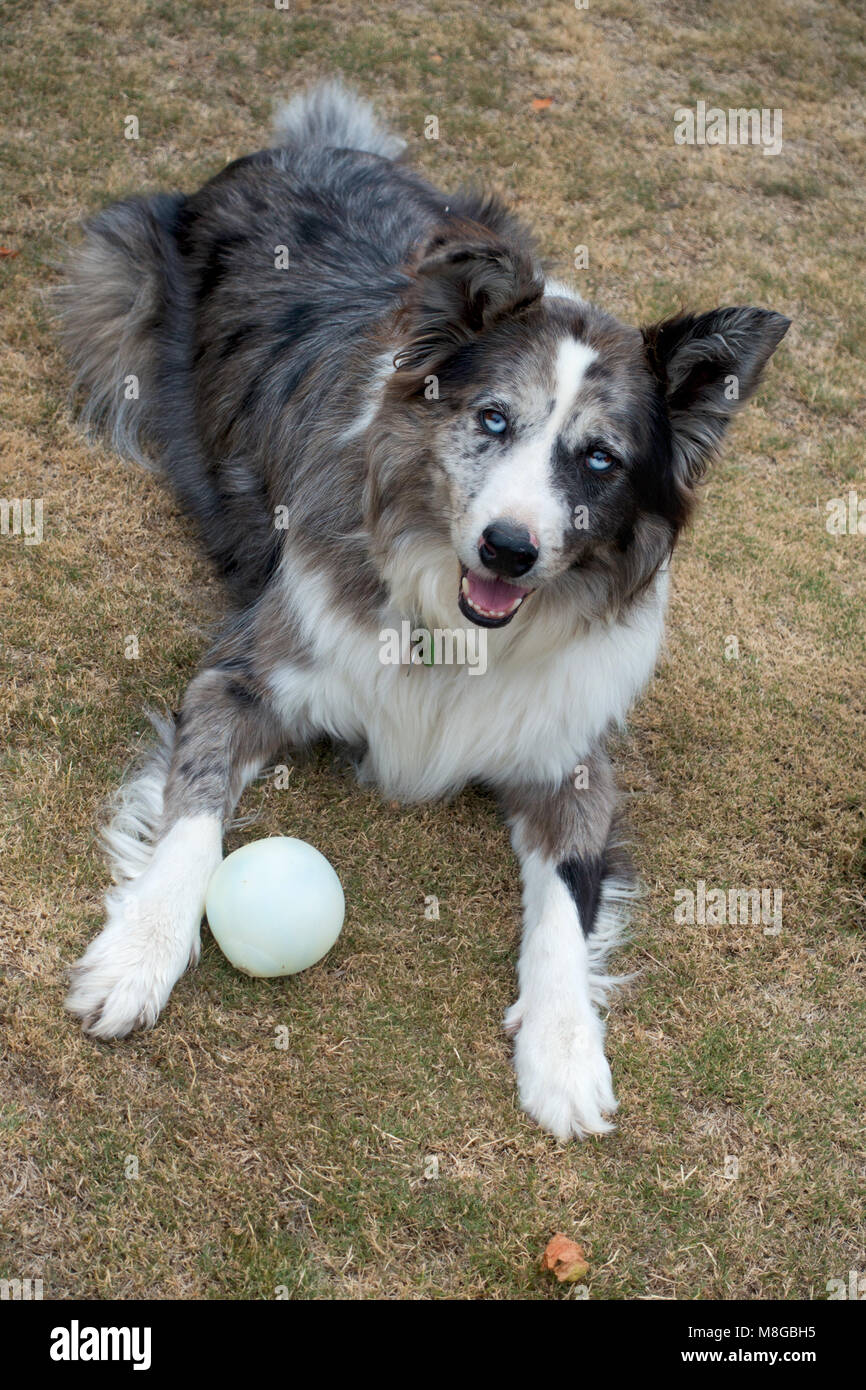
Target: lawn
[{"x": 221, "y": 1156}]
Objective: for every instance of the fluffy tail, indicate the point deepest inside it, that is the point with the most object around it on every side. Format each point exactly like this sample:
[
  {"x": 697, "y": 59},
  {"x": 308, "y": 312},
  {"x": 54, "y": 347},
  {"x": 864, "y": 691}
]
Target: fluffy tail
[
  {"x": 126, "y": 288},
  {"x": 329, "y": 114},
  {"x": 112, "y": 305}
]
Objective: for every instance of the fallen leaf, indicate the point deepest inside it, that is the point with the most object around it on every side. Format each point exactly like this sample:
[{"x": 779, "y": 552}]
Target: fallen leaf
[
  {"x": 7, "y": 251},
  {"x": 565, "y": 1259},
  {"x": 542, "y": 103}
]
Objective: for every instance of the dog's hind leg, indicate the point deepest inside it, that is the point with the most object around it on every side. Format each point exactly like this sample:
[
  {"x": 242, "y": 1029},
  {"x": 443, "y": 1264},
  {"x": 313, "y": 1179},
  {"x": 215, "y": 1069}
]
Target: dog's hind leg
[
  {"x": 572, "y": 891},
  {"x": 166, "y": 842}
]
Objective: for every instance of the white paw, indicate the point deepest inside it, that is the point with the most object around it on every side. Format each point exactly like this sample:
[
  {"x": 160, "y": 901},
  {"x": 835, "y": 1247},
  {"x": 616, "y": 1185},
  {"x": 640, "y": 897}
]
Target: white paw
[
  {"x": 125, "y": 976},
  {"x": 563, "y": 1077}
]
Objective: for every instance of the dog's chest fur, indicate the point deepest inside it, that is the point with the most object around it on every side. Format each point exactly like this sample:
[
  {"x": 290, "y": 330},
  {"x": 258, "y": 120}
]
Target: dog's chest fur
[{"x": 540, "y": 706}]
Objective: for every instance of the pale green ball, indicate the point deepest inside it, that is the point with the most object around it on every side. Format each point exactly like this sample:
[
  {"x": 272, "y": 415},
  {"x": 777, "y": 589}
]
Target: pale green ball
[{"x": 275, "y": 906}]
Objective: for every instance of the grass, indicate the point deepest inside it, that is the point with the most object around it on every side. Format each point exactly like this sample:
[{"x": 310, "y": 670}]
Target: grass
[{"x": 305, "y": 1168}]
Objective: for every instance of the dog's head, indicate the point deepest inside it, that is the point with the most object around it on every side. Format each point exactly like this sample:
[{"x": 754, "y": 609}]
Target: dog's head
[{"x": 563, "y": 446}]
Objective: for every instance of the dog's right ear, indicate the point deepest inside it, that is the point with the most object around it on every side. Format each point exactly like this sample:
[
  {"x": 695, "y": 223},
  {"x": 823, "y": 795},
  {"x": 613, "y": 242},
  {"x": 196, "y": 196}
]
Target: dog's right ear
[{"x": 464, "y": 280}]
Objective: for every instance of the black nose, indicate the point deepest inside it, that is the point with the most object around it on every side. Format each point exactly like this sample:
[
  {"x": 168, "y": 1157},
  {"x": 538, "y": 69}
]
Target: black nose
[{"x": 507, "y": 548}]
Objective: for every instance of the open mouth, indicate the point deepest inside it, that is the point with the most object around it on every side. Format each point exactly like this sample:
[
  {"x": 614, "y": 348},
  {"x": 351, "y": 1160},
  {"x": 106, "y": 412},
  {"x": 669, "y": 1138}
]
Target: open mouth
[{"x": 488, "y": 600}]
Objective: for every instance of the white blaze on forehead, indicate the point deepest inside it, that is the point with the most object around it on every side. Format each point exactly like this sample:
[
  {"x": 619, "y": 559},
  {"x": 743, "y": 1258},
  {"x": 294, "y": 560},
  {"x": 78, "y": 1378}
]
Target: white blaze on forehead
[
  {"x": 557, "y": 289},
  {"x": 521, "y": 487},
  {"x": 572, "y": 361}
]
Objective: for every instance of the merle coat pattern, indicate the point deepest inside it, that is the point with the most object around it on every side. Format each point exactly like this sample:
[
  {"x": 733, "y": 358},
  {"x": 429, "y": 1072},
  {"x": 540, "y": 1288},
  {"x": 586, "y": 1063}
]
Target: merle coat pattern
[{"x": 375, "y": 407}]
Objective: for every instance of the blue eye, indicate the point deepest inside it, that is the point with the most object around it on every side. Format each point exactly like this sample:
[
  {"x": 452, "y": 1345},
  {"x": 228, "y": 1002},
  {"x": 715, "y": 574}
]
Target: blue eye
[
  {"x": 599, "y": 460},
  {"x": 493, "y": 421}
]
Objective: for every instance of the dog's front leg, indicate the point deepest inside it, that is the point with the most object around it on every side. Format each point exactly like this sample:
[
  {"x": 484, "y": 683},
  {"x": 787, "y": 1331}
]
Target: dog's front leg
[
  {"x": 165, "y": 842},
  {"x": 571, "y": 891}
]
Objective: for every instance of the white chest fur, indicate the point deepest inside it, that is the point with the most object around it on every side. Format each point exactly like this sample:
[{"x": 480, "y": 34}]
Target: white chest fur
[{"x": 533, "y": 713}]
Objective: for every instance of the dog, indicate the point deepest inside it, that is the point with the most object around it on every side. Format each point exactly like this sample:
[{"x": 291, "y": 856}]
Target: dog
[{"x": 377, "y": 410}]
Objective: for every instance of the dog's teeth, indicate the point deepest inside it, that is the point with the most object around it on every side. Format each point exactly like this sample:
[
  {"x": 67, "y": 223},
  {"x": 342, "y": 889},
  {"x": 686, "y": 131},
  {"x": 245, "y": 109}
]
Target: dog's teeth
[
  {"x": 488, "y": 612},
  {"x": 497, "y": 612}
]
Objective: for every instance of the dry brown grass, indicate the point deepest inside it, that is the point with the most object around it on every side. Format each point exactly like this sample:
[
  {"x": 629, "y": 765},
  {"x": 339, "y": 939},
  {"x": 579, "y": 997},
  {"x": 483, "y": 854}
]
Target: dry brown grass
[{"x": 305, "y": 1168}]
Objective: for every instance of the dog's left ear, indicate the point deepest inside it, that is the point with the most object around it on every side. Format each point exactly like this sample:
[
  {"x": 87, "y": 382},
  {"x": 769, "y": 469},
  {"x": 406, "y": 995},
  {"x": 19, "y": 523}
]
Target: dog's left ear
[
  {"x": 709, "y": 366},
  {"x": 465, "y": 279}
]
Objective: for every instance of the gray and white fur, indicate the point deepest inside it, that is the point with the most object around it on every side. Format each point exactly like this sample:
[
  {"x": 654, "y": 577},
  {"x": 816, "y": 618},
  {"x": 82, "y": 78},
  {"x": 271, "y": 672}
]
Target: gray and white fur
[{"x": 375, "y": 408}]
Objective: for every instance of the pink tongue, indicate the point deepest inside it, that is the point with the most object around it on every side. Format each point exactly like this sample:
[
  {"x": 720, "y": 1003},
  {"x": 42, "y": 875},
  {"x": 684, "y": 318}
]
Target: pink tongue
[{"x": 493, "y": 594}]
